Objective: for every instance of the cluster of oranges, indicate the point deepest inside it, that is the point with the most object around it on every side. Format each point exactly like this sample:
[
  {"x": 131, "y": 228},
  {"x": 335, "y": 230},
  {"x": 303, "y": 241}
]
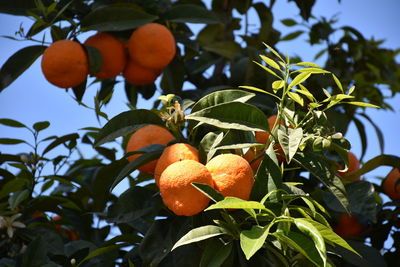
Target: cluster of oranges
[
  {"x": 178, "y": 167},
  {"x": 140, "y": 60}
]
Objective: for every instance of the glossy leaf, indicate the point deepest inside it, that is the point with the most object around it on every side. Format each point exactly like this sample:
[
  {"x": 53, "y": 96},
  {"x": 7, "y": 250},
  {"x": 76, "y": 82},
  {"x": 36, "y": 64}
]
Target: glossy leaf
[
  {"x": 210, "y": 192},
  {"x": 233, "y": 115},
  {"x": 199, "y": 234},
  {"x": 18, "y": 63},
  {"x": 125, "y": 123},
  {"x": 252, "y": 240},
  {"x": 236, "y": 203}
]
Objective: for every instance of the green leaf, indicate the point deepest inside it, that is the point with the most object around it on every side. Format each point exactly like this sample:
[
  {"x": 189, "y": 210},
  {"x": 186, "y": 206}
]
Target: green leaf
[
  {"x": 328, "y": 234},
  {"x": 125, "y": 123},
  {"x": 236, "y": 203},
  {"x": 308, "y": 64},
  {"x": 199, "y": 234},
  {"x": 292, "y": 35},
  {"x": 116, "y": 18},
  {"x": 278, "y": 84},
  {"x": 363, "y": 136},
  {"x": 338, "y": 83},
  {"x": 290, "y": 143},
  {"x": 17, "y": 197},
  {"x": 273, "y": 51},
  {"x": 381, "y": 160},
  {"x": 268, "y": 177},
  {"x": 13, "y": 186},
  {"x": 302, "y": 244},
  {"x": 268, "y": 70},
  {"x": 270, "y": 62},
  {"x": 312, "y": 70},
  {"x": 259, "y": 90},
  {"x": 378, "y": 131},
  {"x": 210, "y": 192},
  {"x": 101, "y": 251},
  {"x": 150, "y": 153},
  {"x": 11, "y": 141},
  {"x": 296, "y": 97},
  {"x": 18, "y": 63},
  {"x": 60, "y": 140},
  {"x": 252, "y": 240},
  {"x": 12, "y": 123},
  {"x": 309, "y": 229},
  {"x": 222, "y": 96},
  {"x": 289, "y": 22},
  {"x": 299, "y": 79},
  {"x": 317, "y": 166},
  {"x": 215, "y": 253},
  {"x": 233, "y": 115},
  {"x": 188, "y": 13},
  {"x": 362, "y": 104},
  {"x": 39, "y": 126},
  {"x": 228, "y": 49},
  {"x": 95, "y": 59}
]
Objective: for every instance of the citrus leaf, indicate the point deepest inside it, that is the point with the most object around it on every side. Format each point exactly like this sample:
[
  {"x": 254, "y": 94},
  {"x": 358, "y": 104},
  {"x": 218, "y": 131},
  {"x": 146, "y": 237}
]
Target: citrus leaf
[
  {"x": 288, "y": 22},
  {"x": 41, "y": 125},
  {"x": 236, "y": 203},
  {"x": 290, "y": 143},
  {"x": 362, "y": 104},
  {"x": 115, "y": 18},
  {"x": 125, "y": 123},
  {"x": 18, "y": 63},
  {"x": 309, "y": 229},
  {"x": 101, "y": 251},
  {"x": 228, "y": 49},
  {"x": 338, "y": 83},
  {"x": 60, "y": 140},
  {"x": 270, "y": 62},
  {"x": 199, "y": 234},
  {"x": 233, "y": 115},
  {"x": 252, "y": 240},
  {"x": 381, "y": 160},
  {"x": 188, "y": 13},
  {"x": 210, "y": 192},
  {"x": 95, "y": 59},
  {"x": 259, "y": 90},
  {"x": 296, "y": 97},
  {"x": 292, "y": 35},
  {"x": 215, "y": 254},
  {"x": 268, "y": 70},
  {"x": 308, "y": 64},
  {"x": 302, "y": 244},
  {"x": 11, "y": 141},
  {"x": 12, "y": 123},
  {"x": 299, "y": 79}
]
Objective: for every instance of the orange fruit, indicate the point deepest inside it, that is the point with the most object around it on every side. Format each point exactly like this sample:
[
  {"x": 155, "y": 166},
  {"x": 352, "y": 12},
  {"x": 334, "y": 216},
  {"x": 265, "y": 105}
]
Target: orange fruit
[
  {"x": 177, "y": 192},
  {"x": 172, "y": 154},
  {"x": 354, "y": 165},
  {"x": 348, "y": 226},
  {"x": 112, "y": 52},
  {"x": 152, "y": 46},
  {"x": 232, "y": 175},
  {"x": 65, "y": 64},
  {"x": 391, "y": 184},
  {"x": 138, "y": 75},
  {"x": 145, "y": 136}
]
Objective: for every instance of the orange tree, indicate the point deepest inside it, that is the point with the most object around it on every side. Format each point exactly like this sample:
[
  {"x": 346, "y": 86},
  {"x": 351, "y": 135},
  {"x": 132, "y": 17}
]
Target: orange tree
[{"x": 296, "y": 193}]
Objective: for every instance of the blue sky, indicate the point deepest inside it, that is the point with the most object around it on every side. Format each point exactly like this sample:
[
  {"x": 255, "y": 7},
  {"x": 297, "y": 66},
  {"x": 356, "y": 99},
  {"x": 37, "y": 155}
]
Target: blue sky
[{"x": 31, "y": 98}]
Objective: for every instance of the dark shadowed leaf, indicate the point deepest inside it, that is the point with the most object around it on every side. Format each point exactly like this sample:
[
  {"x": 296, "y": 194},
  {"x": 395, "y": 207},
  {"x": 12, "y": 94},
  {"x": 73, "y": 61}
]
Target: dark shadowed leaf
[
  {"x": 95, "y": 59},
  {"x": 61, "y": 140},
  {"x": 210, "y": 192},
  {"x": 215, "y": 253},
  {"x": 12, "y": 123},
  {"x": 126, "y": 123},
  {"x": 116, "y": 18},
  {"x": 188, "y": 13},
  {"x": 11, "y": 141},
  {"x": 18, "y": 63},
  {"x": 41, "y": 125}
]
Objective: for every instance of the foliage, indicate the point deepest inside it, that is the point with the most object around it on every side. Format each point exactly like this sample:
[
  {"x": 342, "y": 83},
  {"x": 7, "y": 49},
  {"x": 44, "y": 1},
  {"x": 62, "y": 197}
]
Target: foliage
[{"x": 297, "y": 196}]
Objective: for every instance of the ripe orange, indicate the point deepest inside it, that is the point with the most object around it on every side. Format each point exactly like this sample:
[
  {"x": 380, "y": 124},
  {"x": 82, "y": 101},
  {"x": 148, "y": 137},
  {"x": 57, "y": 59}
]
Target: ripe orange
[
  {"x": 172, "y": 154},
  {"x": 232, "y": 175},
  {"x": 348, "y": 226},
  {"x": 354, "y": 165},
  {"x": 177, "y": 192},
  {"x": 138, "y": 75},
  {"x": 391, "y": 184},
  {"x": 152, "y": 46},
  {"x": 112, "y": 53},
  {"x": 65, "y": 64},
  {"x": 148, "y": 135}
]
